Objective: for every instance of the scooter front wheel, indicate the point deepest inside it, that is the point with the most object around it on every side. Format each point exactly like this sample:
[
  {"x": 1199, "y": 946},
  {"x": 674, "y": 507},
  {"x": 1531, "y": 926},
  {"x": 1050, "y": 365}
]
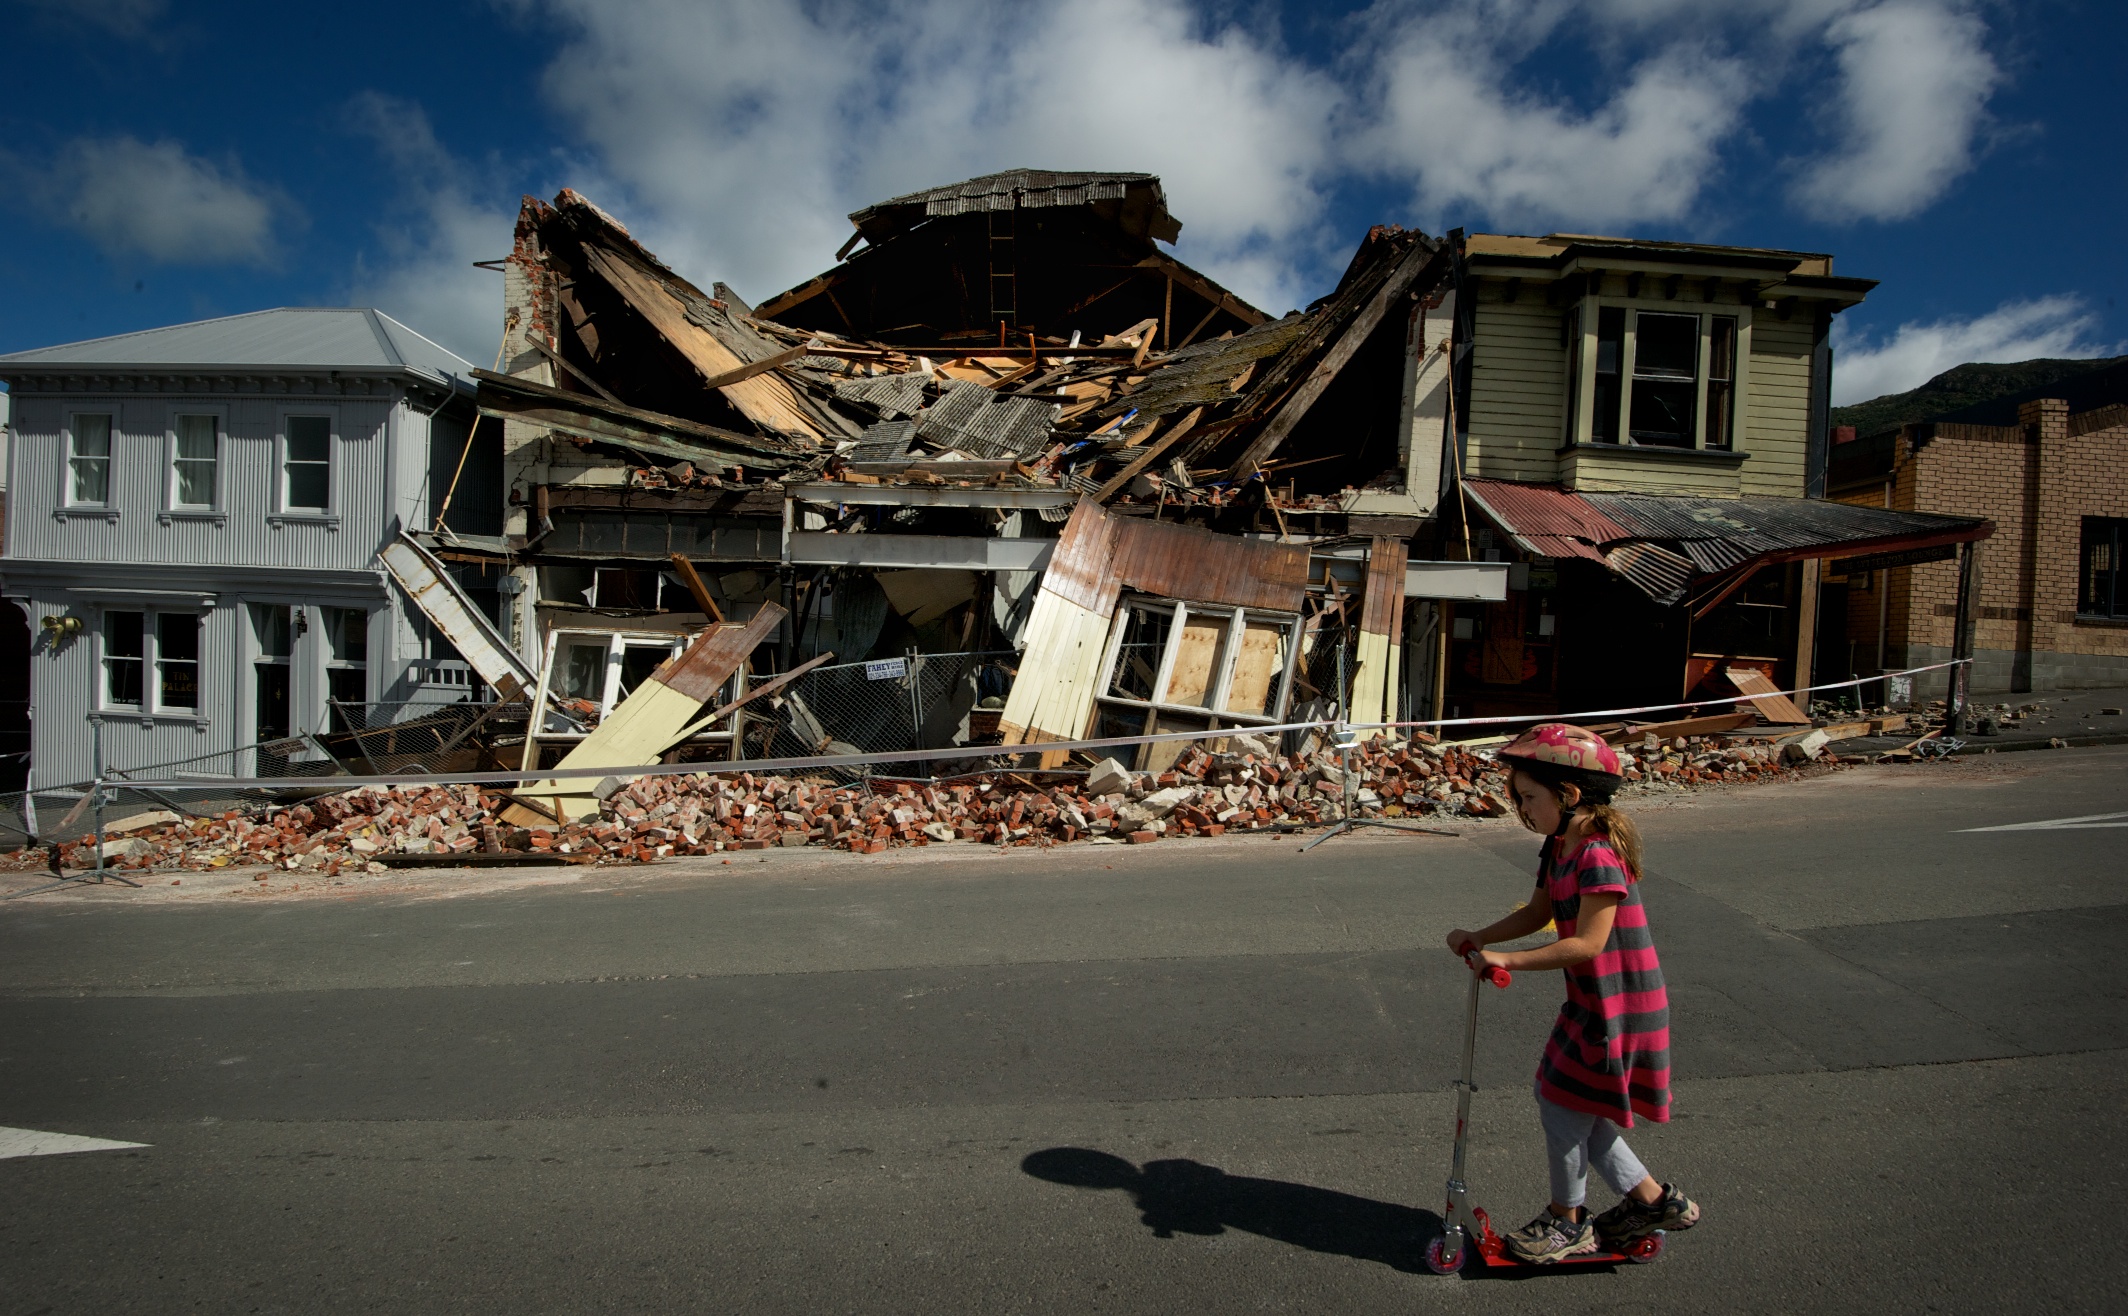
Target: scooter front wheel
[
  {"x": 1436, "y": 1259},
  {"x": 1643, "y": 1250}
]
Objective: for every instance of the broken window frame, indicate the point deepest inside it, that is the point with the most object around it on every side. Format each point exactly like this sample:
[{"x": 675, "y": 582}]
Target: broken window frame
[
  {"x": 1213, "y": 710},
  {"x": 1594, "y": 419},
  {"x": 617, "y": 643}
]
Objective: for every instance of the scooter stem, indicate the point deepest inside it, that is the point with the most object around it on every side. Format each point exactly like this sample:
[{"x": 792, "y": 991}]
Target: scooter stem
[{"x": 1460, "y": 1226}]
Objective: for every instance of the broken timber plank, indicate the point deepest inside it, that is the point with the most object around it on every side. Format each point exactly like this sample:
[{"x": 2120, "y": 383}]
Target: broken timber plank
[
  {"x": 655, "y": 715},
  {"x": 432, "y": 590},
  {"x": 1297, "y": 403},
  {"x": 1773, "y": 704},
  {"x": 686, "y": 571},
  {"x": 1632, "y": 733},
  {"x": 1147, "y": 457}
]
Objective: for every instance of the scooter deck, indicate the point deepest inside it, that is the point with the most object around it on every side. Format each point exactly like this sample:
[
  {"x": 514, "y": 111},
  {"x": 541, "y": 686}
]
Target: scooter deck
[{"x": 1492, "y": 1250}]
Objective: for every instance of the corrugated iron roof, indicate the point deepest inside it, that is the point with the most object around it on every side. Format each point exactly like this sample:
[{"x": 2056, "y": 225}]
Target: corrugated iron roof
[
  {"x": 974, "y": 420},
  {"x": 1001, "y": 191},
  {"x": 1760, "y": 524},
  {"x": 890, "y": 395},
  {"x": 288, "y": 337},
  {"x": 1545, "y": 519},
  {"x": 1659, "y": 542}
]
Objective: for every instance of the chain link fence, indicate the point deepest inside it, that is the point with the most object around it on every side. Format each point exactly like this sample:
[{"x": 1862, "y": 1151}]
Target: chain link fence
[{"x": 917, "y": 701}]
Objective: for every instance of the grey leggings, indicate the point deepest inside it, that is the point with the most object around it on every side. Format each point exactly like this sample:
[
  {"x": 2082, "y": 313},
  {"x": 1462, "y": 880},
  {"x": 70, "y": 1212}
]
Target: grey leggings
[{"x": 1573, "y": 1142}]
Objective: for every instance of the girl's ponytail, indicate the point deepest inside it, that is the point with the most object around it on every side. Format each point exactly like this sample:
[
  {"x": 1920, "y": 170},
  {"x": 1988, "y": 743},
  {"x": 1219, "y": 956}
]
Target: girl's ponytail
[{"x": 1625, "y": 837}]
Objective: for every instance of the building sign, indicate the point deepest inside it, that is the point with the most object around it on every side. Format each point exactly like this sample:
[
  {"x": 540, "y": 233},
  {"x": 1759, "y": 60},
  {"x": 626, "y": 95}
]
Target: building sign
[{"x": 886, "y": 669}]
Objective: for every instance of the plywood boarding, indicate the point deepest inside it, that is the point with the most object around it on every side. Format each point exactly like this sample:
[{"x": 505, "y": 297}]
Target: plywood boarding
[
  {"x": 764, "y": 399},
  {"x": 1256, "y": 671},
  {"x": 1197, "y": 654},
  {"x": 1381, "y": 629},
  {"x": 1766, "y": 697},
  {"x": 1053, "y": 696}
]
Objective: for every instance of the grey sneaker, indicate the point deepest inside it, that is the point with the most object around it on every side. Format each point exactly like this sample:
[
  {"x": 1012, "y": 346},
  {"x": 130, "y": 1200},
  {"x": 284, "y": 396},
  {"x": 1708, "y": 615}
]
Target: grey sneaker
[
  {"x": 1630, "y": 1221},
  {"x": 1549, "y": 1238}
]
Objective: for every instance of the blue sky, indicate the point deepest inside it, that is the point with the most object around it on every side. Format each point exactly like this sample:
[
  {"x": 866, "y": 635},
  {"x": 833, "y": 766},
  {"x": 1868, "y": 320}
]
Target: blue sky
[{"x": 164, "y": 162}]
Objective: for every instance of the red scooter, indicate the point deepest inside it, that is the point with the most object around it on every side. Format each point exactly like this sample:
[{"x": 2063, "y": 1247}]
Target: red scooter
[{"x": 1466, "y": 1228}]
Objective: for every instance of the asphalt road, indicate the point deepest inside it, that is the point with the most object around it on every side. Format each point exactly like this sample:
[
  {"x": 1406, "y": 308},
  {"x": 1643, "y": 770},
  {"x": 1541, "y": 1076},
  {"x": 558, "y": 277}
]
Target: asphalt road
[{"x": 1186, "y": 1077}]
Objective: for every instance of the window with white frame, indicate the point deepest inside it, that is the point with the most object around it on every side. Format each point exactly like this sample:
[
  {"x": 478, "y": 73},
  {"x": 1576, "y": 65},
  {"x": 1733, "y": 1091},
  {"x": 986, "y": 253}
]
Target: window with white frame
[
  {"x": 346, "y": 665},
  {"x": 273, "y": 670},
  {"x": 89, "y": 461},
  {"x": 151, "y": 661},
  {"x": 1175, "y": 666},
  {"x": 1653, "y": 378},
  {"x": 603, "y": 668},
  {"x": 306, "y": 464},
  {"x": 195, "y": 459}
]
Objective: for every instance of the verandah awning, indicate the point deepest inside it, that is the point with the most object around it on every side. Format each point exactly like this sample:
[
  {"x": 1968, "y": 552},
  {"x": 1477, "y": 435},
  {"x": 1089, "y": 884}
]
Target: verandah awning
[{"x": 1672, "y": 544}]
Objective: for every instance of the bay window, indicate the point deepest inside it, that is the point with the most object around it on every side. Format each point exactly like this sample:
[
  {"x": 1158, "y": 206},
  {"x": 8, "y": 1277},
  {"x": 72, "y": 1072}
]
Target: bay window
[{"x": 1654, "y": 378}]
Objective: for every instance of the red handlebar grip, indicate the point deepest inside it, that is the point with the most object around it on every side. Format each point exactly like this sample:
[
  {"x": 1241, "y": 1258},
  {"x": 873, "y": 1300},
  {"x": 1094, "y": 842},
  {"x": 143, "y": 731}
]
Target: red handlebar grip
[{"x": 1498, "y": 976}]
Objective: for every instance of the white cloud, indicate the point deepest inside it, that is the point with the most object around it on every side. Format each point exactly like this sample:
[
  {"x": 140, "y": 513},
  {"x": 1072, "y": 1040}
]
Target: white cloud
[
  {"x": 157, "y": 200},
  {"x": 743, "y": 132},
  {"x": 443, "y": 218},
  {"x": 2056, "y": 326},
  {"x": 1453, "y": 121},
  {"x": 1915, "y": 81}
]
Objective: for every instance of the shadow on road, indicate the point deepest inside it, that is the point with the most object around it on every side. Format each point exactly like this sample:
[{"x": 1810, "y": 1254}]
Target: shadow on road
[{"x": 1184, "y": 1197}]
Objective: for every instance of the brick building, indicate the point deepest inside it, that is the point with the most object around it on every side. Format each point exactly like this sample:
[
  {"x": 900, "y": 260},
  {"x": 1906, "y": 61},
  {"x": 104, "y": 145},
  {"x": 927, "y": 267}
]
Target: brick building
[{"x": 2051, "y": 606}]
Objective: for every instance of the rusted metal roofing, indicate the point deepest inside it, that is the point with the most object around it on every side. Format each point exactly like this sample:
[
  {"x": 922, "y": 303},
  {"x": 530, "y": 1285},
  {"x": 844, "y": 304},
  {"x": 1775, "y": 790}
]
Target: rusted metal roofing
[
  {"x": 1719, "y": 533},
  {"x": 1545, "y": 520},
  {"x": 1021, "y": 188},
  {"x": 1660, "y": 542}
]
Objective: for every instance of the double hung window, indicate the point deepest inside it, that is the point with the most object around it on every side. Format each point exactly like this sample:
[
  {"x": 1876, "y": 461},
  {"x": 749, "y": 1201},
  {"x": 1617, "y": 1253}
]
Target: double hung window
[
  {"x": 347, "y": 665},
  {"x": 2102, "y": 585},
  {"x": 89, "y": 461},
  {"x": 272, "y": 672},
  {"x": 306, "y": 464},
  {"x": 195, "y": 461},
  {"x": 1662, "y": 379},
  {"x": 151, "y": 661}
]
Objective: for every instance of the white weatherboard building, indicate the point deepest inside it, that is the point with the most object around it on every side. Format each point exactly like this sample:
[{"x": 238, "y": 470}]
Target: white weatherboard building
[{"x": 195, "y": 518}]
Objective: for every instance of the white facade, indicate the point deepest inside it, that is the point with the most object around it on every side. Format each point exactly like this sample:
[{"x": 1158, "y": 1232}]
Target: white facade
[{"x": 195, "y": 549}]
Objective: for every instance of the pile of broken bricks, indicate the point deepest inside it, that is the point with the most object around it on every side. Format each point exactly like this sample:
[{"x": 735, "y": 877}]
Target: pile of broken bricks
[{"x": 651, "y": 818}]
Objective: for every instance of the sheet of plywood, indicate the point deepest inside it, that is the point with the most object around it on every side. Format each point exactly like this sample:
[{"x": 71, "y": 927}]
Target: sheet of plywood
[
  {"x": 1766, "y": 697},
  {"x": 1197, "y": 653},
  {"x": 1256, "y": 671}
]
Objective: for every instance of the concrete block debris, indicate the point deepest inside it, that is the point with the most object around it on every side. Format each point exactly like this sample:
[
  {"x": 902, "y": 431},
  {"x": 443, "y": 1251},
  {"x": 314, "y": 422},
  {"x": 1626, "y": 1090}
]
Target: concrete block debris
[{"x": 1201, "y": 794}]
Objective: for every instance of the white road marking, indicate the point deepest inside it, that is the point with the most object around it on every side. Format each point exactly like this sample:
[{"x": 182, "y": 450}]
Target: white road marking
[
  {"x": 2088, "y": 821},
  {"x": 30, "y": 1142}
]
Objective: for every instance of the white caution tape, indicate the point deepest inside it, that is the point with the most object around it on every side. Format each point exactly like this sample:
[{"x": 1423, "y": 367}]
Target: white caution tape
[{"x": 334, "y": 785}]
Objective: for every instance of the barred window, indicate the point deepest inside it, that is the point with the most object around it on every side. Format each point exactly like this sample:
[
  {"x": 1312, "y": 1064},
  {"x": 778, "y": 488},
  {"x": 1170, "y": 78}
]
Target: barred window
[{"x": 2101, "y": 591}]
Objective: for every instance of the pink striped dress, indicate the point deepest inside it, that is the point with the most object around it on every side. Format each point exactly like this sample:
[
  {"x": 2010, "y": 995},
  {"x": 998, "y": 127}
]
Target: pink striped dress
[{"x": 1609, "y": 1054}]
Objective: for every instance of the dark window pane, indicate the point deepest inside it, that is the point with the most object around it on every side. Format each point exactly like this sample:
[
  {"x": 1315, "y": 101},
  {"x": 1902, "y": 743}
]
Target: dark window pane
[
  {"x": 123, "y": 683},
  {"x": 1720, "y": 409},
  {"x": 1662, "y": 412},
  {"x": 269, "y": 621},
  {"x": 2101, "y": 593},
  {"x": 1610, "y": 351},
  {"x": 1721, "y": 348},
  {"x": 1667, "y": 345},
  {"x": 1138, "y": 661},
  {"x": 271, "y": 681},
  {"x": 637, "y": 662},
  {"x": 180, "y": 684},
  {"x": 309, "y": 438},
  {"x": 1573, "y": 375},
  {"x": 347, "y": 630},
  {"x": 177, "y": 635},
  {"x": 347, "y": 685},
  {"x": 580, "y": 672},
  {"x": 309, "y": 485},
  {"x": 124, "y": 632}
]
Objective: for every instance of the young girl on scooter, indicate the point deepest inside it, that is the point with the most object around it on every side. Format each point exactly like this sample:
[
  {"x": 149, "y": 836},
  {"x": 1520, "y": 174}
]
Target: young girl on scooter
[{"x": 1608, "y": 1058}]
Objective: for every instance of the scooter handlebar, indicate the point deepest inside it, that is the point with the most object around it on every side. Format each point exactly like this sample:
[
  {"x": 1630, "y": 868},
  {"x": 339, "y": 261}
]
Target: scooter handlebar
[{"x": 1492, "y": 973}]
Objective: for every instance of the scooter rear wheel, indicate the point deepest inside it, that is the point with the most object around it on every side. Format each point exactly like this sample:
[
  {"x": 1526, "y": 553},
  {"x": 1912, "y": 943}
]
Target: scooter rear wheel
[
  {"x": 1643, "y": 1250},
  {"x": 1438, "y": 1264}
]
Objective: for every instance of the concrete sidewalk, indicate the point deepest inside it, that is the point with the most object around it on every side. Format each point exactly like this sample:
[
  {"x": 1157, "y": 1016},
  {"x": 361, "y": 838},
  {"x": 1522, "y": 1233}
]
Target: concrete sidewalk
[{"x": 2029, "y": 720}]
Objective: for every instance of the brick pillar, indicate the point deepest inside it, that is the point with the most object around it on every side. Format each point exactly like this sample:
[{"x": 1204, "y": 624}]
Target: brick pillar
[{"x": 2043, "y": 419}]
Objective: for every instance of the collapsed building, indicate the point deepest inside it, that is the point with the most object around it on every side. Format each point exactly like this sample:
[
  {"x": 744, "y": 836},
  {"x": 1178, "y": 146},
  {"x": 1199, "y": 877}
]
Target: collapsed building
[{"x": 1485, "y": 475}]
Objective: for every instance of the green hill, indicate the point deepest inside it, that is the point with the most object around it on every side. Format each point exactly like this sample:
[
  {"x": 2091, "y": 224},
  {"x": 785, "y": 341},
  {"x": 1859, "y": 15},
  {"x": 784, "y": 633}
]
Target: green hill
[{"x": 1960, "y": 387}]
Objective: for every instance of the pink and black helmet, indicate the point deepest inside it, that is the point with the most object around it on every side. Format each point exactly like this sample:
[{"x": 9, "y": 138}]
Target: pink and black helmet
[{"x": 1555, "y": 752}]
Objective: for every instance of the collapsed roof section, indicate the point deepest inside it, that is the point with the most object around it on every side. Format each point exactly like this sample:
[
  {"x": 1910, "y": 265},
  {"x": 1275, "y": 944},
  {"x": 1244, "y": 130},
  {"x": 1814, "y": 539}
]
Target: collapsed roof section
[{"x": 1005, "y": 255}]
